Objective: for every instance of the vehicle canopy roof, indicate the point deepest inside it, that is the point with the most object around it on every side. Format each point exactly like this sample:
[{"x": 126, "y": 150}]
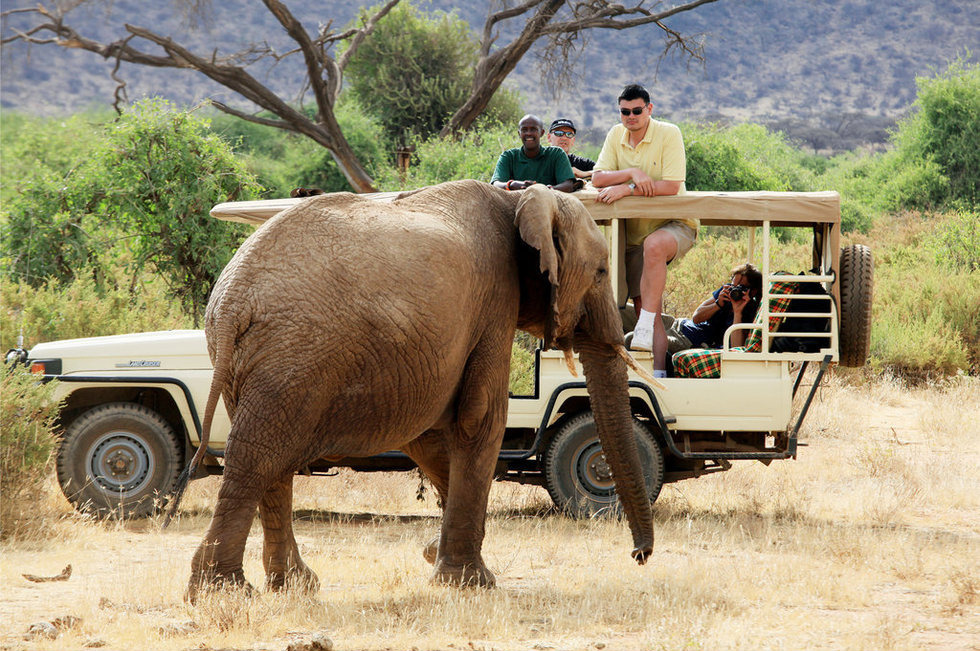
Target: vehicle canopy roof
[{"x": 716, "y": 208}]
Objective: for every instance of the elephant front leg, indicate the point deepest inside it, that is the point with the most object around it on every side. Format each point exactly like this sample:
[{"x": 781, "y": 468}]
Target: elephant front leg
[
  {"x": 280, "y": 553},
  {"x": 473, "y": 447},
  {"x": 430, "y": 453}
]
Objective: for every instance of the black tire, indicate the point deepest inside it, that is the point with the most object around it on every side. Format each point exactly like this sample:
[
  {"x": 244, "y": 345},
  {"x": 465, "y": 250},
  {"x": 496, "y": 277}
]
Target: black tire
[
  {"x": 856, "y": 292},
  {"x": 119, "y": 459},
  {"x": 576, "y": 474}
]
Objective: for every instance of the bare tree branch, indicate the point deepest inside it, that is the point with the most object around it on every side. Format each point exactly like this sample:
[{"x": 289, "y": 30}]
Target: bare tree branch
[
  {"x": 363, "y": 33},
  {"x": 317, "y": 61},
  {"x": 324, "y": 74},
  {"x": 248, "y": 117},
  {"x": 493, "y": 19},
  {"x": 565, "y": 35}
]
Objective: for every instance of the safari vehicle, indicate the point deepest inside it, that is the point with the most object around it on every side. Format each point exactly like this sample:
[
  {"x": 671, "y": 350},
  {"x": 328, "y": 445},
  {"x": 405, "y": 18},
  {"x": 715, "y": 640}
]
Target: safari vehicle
[{"x": 131, "y": 415}]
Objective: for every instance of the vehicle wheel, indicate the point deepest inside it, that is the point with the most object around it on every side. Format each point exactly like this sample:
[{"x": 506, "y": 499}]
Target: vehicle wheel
[
  {"x": 119, "y": 459},
  {"x": 576, "y": 473},
  {"x": 856, "y": 291}
]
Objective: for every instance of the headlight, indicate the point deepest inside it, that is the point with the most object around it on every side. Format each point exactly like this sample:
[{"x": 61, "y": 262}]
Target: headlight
[{"x": 16, "y": 356}]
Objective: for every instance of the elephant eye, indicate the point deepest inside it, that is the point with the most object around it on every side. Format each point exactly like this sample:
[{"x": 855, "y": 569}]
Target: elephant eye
[{"x": 600, "y": 274}]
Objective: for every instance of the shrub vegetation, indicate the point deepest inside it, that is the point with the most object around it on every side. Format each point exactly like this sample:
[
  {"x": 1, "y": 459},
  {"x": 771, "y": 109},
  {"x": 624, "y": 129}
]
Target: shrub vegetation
[
  {"x": 27, "y": 444},
  {"x": 96, "y": 242},
  {"x": 137, "y": 196}
]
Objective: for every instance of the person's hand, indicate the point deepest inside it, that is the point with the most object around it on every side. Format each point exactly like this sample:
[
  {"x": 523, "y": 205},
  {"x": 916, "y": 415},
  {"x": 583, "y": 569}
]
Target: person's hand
[
  {"x": 723, "y": 296},
  {"x": 582, "y": 174},
  {"x": 644, "y": 184},
  {"x": 613, "y": 193},
  {"x": 739, "y": 305},
  {"x": 521, "y": 185}
]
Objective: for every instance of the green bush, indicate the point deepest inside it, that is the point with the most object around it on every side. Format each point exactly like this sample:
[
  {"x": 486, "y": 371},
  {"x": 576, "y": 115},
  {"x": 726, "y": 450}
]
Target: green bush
[
  {"x": 924, "y": 318},
  {"x": 27, "y": 446},
  {"x": 79, "y": 308},
  {"x": 934, "y": 160},
  {"x": 956, "y": 242},
  {"x": 35, "y": 147},
  {"x": 945, "y": 129},
  {"x": 415, "y": 70},
  {"x": 521, "y": 381},
  {"x": 140, "y": 196},
  {"x": 876, "y": 185},
  {"x": 742, "y": 157},
  {"x": 472, "y": 156}
]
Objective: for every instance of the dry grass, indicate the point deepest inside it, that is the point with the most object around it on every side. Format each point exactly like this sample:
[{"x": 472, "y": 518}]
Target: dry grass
[{"x": 869, "y": 541}]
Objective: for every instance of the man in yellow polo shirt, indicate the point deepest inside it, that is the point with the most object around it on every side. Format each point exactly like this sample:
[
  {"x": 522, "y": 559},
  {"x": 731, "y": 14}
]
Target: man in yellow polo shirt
[{"x": 645, "y": 157}]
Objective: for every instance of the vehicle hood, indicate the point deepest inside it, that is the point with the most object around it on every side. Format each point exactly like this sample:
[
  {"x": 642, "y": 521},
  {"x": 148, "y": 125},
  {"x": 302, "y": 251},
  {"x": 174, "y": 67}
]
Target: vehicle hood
[{"x": 142, "y": 352}]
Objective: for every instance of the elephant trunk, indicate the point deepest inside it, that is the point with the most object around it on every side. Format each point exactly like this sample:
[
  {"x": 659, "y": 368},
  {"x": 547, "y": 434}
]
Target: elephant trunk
[{"x": 606, "y": 379}]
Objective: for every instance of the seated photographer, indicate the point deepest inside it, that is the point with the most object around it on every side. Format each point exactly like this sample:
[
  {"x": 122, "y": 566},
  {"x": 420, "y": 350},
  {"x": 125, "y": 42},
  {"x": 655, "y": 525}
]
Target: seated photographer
[{"x": 734, "y": 302}]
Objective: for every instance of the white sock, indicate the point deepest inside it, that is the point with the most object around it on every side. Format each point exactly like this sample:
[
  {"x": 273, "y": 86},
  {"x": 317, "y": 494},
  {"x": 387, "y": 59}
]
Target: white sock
[
  {"x": 645, "y": 320},
  {"x": 643, "y": 332}
]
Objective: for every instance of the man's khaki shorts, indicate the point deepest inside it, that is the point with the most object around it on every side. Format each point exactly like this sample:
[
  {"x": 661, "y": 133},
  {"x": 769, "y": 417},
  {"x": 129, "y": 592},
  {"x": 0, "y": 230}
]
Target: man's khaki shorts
[{"x": 685, "y": 236}]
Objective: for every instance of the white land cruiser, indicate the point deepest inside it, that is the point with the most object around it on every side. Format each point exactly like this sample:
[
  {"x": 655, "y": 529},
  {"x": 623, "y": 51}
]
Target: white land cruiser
[{"x": 131, "y": 414}]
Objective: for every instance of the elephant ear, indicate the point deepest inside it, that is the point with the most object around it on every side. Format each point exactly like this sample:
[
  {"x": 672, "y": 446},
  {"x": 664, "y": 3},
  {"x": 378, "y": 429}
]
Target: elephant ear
[{"x": 537, "y": 214}]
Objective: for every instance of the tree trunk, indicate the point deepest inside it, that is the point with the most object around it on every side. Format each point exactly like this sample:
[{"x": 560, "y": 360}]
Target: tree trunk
[
  {"x": 606, "y": 379},
  {"x": 348, "y": 163},
  {"x": 328, "y": 134},
  {"x": 493, "y": 69}
]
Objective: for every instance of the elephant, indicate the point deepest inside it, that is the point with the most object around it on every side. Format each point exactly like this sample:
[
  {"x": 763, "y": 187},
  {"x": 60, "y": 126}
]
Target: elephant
[{"x": 348, "y": 327}]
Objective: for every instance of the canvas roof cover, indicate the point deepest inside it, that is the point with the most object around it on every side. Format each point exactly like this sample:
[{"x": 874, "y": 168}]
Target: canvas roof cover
[{"x": 780, "y": 208}]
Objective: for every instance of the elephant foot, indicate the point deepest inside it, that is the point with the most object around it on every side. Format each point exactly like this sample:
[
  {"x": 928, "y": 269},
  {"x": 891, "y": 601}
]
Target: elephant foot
[
  {"x": 466, "y": 576},
  {"x": 300, "y": 577},
  {"x": 203, "y": 584},
  {"x": 431, "y": 551}
]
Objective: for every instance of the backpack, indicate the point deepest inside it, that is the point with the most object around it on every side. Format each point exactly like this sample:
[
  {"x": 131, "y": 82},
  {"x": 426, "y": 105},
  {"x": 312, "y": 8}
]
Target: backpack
[{"x": 804, "y": 324}]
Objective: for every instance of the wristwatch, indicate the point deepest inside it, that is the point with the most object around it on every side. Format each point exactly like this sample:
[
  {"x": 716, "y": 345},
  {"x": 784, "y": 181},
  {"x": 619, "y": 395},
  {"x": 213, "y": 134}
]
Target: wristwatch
[{"x": 632, "y": 187}]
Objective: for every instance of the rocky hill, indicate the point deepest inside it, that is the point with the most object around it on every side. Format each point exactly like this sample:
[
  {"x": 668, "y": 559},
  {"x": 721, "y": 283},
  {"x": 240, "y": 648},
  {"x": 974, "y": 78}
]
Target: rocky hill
[{"x": 835, "y": 74}]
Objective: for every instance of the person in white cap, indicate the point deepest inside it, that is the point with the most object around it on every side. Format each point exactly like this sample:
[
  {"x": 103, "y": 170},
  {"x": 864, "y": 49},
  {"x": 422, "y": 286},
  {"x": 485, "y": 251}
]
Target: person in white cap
[{"x": 561, "y": 134}]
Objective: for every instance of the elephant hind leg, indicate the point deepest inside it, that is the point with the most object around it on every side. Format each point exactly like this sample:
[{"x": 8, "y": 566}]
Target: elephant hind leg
[
  {"x": 280, "y": 553},
  {"x": 217, "y": 563}
]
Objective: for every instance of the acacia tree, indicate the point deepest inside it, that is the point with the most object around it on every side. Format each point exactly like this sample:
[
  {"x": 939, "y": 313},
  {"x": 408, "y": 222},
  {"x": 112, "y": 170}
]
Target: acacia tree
[
  {"x": 562, "y": 23},
  {"x": 324, "y": 73}
]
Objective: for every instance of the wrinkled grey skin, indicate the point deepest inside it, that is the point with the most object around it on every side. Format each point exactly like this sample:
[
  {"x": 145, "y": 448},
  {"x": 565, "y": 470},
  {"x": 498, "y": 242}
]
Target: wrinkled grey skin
[{"x": 346, "y": 327}]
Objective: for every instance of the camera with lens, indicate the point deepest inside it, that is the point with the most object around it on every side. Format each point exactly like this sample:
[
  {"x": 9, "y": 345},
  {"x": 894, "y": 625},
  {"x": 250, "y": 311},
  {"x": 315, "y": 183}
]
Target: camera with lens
[{"x": 737, "y": 292}]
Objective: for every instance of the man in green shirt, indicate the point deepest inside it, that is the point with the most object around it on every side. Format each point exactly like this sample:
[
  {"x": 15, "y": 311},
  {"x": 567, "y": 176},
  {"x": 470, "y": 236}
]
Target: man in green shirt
[{"x": 531, "y": 163}]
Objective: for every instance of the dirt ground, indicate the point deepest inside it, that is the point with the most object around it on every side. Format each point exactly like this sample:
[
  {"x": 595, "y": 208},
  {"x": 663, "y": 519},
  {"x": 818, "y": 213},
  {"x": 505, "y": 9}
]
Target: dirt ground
[{"x": 870, "y": 540}]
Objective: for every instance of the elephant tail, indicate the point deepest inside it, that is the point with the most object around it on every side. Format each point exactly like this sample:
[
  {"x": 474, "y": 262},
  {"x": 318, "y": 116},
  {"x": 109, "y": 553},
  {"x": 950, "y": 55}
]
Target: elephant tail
[{"x": 219, "y": 382}]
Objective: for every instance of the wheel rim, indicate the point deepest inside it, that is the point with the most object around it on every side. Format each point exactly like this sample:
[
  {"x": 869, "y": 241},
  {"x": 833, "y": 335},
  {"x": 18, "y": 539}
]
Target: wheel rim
[
  {"x": 121, "y": 463},
  {"x": 592, "y": 473}
]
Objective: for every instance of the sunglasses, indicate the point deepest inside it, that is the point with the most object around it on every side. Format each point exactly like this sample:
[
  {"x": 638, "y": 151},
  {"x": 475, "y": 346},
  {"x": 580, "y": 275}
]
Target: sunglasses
[
  {"x": 564, "y": 134},
  {"x": 637, "y": 110}
]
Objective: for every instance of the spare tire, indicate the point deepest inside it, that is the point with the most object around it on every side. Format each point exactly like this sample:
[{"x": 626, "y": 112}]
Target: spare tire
[{"x": 856, "y": 291}]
